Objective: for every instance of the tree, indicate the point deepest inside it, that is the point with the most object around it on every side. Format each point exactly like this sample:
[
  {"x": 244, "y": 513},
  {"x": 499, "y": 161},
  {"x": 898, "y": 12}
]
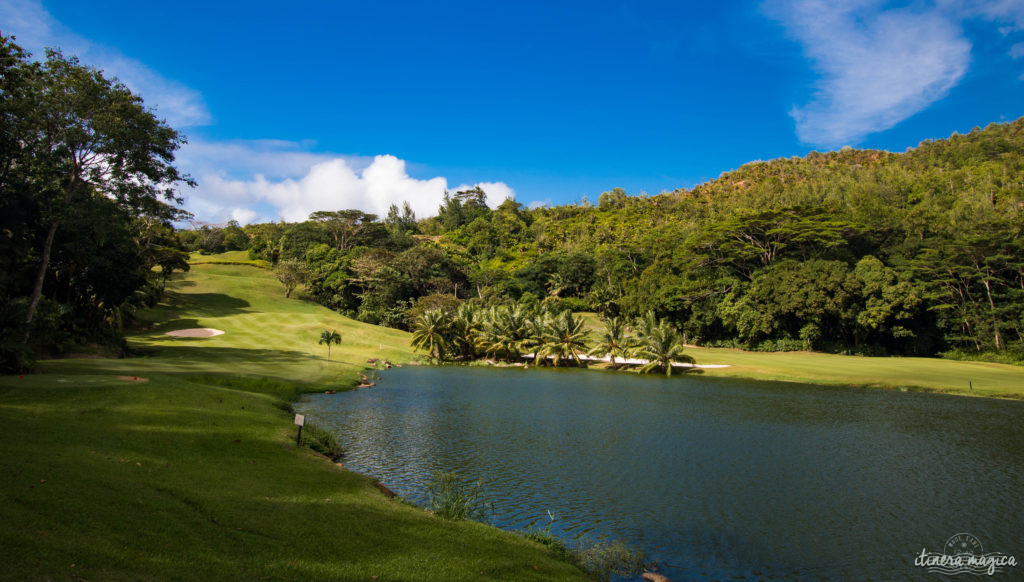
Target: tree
[
  {"x": 291, "y": 274},
  {"x": 466, "y": 328},
  {"x": 344, "y": 225},
  {"x": 329, "y": 337},
  {"x": 565, "y": 339},
  {"x": 430, "y": 333},
  {"x": 661, "y": 345},
  {"x": 613, "y": 341},
  {"x": 85, "y": 136}
]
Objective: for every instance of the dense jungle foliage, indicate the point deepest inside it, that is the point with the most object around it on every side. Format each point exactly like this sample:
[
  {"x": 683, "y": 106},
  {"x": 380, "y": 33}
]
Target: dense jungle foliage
[{"x": 855, "y": 251}]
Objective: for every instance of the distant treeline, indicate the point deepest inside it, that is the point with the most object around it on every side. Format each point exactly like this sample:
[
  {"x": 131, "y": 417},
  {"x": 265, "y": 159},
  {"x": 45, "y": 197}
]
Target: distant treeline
[{"x": 856, "y": 251}]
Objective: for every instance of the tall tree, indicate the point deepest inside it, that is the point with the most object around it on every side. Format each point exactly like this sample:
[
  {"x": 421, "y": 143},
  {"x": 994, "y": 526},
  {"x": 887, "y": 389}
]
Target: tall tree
[
  {"x": 344, "y": 225},
  {"x": 82, "y": 135}
]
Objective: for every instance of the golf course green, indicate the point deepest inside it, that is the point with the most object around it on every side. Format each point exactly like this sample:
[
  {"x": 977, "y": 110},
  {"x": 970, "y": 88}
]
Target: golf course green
[
  {"x": 180, "y": 462},
  {"x": 923, "y": 374}
]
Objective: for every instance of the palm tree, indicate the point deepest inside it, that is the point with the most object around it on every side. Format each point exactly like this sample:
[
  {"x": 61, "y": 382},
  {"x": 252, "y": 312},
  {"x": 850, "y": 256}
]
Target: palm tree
[
  {"x": 613, "y": 341},
  {"x": 466, "y": 327},
  {"x": 329, "y": 337},
  {"x": 565, "y": 339},
  {"x": 431, "y": 333},
  {"x": 536, "y": 331},
  {"x": 661, "y": 345},
  {"x": 645, "y": 325}
]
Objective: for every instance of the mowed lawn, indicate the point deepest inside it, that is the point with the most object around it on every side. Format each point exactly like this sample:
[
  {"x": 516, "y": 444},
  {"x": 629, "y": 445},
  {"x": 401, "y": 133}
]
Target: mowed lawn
[
  {"x": 265, "y": 334},
  {"x": 968, "y": 378},
  {"x": 168, "y": 467}
]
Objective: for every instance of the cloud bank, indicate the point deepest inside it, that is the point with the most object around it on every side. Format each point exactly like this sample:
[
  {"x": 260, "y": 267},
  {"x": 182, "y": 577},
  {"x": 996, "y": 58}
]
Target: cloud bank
[
  {"x": 272, "y": 180},
  {"x": 37, "y": 30},
  {"x": 879, "y": 64}
]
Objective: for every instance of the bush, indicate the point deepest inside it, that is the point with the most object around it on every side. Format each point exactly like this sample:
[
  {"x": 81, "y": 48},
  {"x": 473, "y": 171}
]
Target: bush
[
  {"x": 454, "y": 499},
  {"x": 322, "y": 441},
  {"x": 780, "y": 345},
  {"x": 1008, "y": 356},
  {"x": 573, "y": 304},
  {"x": 603, "y": 559}
]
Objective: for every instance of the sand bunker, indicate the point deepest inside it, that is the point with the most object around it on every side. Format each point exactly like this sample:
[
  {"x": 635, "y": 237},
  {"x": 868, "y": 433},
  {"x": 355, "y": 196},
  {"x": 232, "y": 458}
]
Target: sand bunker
[{"x": 195, "y": 332}]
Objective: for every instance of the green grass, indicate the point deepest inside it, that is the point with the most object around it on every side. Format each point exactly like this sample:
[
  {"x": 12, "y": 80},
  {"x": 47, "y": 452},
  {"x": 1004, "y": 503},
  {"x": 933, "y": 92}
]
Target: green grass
[
  {"x": 229, "y": 258},
  {"x": 265, "y": 334},
  {"x": 194, "y": 473},
  {"x": 931, "y": 374}
]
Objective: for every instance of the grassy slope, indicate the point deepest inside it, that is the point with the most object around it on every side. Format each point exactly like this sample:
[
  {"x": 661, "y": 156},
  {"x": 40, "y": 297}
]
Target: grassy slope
[
  {"x": 950, "y": 376},
  {"x": 105, "y": 478}
]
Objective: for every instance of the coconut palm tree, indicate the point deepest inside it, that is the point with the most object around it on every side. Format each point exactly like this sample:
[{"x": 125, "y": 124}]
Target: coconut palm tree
[
  {"x": 645, "y": 325},
  {"x": 329, "y": 337},
  {"x": 489, "y": 334},
  {"x": 565, "y": 339},
  {"x": 430, "y": 333},
  {"x": 614, "y": 341},
  {"x": 466, "y": 325},
  {"x": 661, "y": 345},
  {"x": 536, "y": 331}
]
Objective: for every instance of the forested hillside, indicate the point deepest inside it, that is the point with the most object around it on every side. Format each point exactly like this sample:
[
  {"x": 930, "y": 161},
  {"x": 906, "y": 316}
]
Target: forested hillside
[{"x": 856, "y": 251}]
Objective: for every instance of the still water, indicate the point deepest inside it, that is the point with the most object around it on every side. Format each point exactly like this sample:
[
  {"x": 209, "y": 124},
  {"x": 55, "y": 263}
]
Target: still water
[{"x": 715, "y": 479}]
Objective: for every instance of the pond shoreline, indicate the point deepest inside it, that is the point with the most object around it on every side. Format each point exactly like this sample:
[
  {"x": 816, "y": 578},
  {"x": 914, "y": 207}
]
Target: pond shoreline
[{"x": 742, "y": 372}]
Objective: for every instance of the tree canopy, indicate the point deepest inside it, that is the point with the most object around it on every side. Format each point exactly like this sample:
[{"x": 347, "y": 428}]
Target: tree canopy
[{"x": 88, "y": 187}]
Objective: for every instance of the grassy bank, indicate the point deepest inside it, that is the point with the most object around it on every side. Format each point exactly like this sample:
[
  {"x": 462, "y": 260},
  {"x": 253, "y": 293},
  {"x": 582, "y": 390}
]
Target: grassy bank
[
  {"x": 156, "y": 467},
  {"x": 931, "y": 374}
]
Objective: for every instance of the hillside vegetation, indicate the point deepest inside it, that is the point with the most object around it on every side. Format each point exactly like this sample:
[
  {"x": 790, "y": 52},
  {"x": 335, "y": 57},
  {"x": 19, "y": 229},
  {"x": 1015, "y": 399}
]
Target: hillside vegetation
[{"x": 856, "y": 251}]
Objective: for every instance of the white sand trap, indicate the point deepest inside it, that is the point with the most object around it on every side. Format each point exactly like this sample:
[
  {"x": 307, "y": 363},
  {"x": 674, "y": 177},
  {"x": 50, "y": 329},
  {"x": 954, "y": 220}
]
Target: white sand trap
[{"x": 195, "y": 332}]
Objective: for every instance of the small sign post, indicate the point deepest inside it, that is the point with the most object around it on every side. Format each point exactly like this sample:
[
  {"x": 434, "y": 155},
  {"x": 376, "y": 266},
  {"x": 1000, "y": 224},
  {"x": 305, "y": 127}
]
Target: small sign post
[{"x": 300, "y": 420}]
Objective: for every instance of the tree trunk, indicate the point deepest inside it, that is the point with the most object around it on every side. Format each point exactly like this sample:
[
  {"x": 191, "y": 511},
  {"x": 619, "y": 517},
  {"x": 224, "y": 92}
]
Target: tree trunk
[
  {"x": 995, "y": 321},
  {"x": 37, "y": 290}
]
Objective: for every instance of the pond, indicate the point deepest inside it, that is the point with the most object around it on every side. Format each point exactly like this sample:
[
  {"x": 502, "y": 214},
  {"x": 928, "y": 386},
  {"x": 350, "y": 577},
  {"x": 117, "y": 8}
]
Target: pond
[{"x": 714, "y": 478}]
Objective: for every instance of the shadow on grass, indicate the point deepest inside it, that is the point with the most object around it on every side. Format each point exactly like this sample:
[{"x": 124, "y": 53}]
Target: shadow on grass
[
  {"x": 206, "y": 304},
  {"x": 204, "y": 354}
]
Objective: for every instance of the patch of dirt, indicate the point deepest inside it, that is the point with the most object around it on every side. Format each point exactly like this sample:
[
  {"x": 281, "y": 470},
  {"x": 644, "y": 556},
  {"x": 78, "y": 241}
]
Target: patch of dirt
[{"x": 133, "y": 378}]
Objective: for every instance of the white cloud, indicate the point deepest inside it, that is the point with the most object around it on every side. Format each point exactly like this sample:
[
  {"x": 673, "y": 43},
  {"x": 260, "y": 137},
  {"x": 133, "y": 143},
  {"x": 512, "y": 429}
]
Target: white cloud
[
  {"x": 274, "y": 159},
  {"x": 877, "y": 66},
  {"x": 36, "y": 30},
  {"x": 271, "y": 180}
]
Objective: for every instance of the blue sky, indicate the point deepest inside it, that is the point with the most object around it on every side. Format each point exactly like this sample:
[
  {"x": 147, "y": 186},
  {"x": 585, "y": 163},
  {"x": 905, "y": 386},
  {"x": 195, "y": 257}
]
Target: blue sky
[{"x": 295, "y": 107}]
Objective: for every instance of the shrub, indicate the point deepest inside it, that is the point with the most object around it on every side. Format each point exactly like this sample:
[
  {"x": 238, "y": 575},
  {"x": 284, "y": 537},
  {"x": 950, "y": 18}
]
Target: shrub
[
  {"x": 603, "y": 559},
  {"x": 322, "y": 441},
  {"x": 455, "y": 499},
  {"x": 1007, "y": 356}
]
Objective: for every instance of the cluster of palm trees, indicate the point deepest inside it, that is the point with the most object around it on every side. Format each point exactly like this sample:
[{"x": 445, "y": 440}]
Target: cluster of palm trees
[{"x": 549, "y": 338}]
